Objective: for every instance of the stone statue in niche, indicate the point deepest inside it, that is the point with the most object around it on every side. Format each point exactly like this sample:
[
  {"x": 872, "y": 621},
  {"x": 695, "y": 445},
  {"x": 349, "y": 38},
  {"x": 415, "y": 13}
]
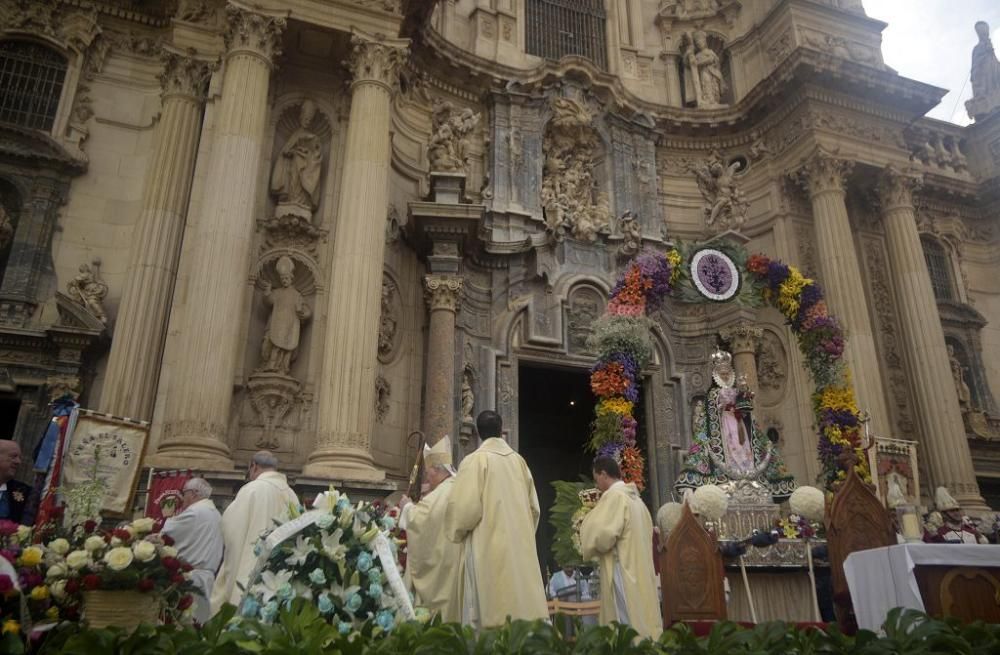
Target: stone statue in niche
[
  {"x": 6, "y": 228},
  {"x": 958, "y": 377},
  {"x": 725, "y": 206},
  {"x": 631, "y": 234},
  {"x": 985, "y": 75},
  {"x": 468, "y": 396},
  {"x": 572, "y": 203},
  {"x": 89, "y": 290},
  {"x": 446, "y": 149},
  {"x": 388, "y": 322},
  {"x": 296, "y": 175},
  {"x": 288, "y": 310},
  {"x": 704, "y": 82}
]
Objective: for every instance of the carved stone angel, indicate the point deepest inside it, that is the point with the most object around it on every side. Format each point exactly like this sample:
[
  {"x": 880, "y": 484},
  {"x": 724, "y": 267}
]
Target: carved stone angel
[
  {"x": 725, "y": 204},
  {"x": 446, "y": 149},
  {"x": 89, "y": 290}
]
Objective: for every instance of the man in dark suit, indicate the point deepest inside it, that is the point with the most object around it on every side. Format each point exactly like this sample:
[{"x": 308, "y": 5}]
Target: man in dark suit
[{"x": 13, "y": 494}]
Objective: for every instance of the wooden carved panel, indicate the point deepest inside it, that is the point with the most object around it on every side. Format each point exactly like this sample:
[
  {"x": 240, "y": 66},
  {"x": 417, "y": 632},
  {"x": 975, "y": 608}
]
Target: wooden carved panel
[
  {"x": 963, "y": 592},
  {"x": 692, "y": 574}
]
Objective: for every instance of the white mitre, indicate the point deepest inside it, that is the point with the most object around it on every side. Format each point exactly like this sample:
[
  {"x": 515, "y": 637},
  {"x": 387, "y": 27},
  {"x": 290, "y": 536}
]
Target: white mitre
[
  {"x": 944, "y": 501},
  {"x": 439, "y": 454}
]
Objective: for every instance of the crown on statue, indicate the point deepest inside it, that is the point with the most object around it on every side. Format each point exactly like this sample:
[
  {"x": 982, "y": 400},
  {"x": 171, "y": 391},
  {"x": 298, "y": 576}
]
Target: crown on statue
[{"x": 721, "y": 357}]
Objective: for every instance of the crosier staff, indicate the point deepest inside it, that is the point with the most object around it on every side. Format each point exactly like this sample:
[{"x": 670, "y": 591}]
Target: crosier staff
[{"x": 417, "y": 474}]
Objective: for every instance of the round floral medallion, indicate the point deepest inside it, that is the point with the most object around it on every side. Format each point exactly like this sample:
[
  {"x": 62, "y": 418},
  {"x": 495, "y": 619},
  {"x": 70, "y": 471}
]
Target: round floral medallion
[{"x": 715, "y": 274}]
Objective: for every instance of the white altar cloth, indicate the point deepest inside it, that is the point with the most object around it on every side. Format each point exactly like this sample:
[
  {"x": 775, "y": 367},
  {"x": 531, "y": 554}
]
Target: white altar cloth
[{"x": 882, "y": 578}]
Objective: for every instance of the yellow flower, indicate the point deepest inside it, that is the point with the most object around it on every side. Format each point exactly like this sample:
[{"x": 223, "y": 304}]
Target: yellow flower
[
  {"x": 12, "y": 626},
  {"x": 31, "y": 556},
  {"x": 41, "y": 592},
  {"x": 789, "y": 291},
  {"x": 52, "y": 613},
  {"x": 614, "y": 406},
  {"x": 790, "y": 531}
]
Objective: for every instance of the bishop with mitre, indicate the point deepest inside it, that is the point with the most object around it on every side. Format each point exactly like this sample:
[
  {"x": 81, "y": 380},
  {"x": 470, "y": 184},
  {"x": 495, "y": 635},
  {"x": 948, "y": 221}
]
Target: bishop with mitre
[
  {"x": 617, "y": 533},
  {"x": 432, "y": 560}
]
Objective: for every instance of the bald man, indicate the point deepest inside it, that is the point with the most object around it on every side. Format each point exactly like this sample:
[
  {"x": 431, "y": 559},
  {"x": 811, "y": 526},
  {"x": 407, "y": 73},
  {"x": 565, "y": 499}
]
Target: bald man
[
  {"x": 262, "y": 501},
  {"x": 13, "y": 494}
]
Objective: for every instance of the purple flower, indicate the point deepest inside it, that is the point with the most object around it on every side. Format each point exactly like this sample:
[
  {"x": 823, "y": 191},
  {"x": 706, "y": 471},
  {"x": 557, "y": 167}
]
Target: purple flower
[
  {"x": 777, "y": 273},
  {"x": 612, "y": 449}
]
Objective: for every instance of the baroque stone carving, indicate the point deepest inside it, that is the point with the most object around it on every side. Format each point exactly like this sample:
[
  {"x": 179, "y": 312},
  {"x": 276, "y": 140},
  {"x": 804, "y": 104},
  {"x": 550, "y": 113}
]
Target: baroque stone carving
[
  {"x": 704, "y": 83},
  {"x": 393, "y": 228},
  {"x": 570, "y": 199},
  {"x": 958, "y": 377},
  {"x": 631, "y": 231},
  {"x": 725, "y": 206},
  {"x": 185, "y": 76},
  {"x": 985, "y": 76},
  {"x": 772, "y": 368},
  {"x": 383, "y": 390},
  {"x": 442, "y": 292},
  {"x": 824, "y": 171},
  {"x": 585, "y": 306},
  {"x": 388, "y": 322},
  {"x": 288, "y": 311},
  {"x": 375, "y": 60},
  {"x": 295, "y": 179},
  {"x": 272, "y": 396},
  {"x": 194, "y": 11},
  {"x": 468, "y": 395},
  {"x": 936, "y": 150},
  {"x": 446, "y": 149},
  {"x": 252, "y": 31},
  {"x": 781, "y": 47},
  {"x": 838, "y": 46},
  {"x": 896, "y": 188},
  {"x": 6, "y": 228},
  {"x": 75, "y": 28},
  {"x": 89, "y": 290}
]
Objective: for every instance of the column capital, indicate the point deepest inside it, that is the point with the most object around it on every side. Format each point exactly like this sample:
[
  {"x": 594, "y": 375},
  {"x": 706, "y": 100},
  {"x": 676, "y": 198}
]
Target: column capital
[
  {"x": 376, "y": 59},
  {"x": 896, "y": 188},
  {"x": 442, "y": 292},
  {"x": 257, "y": 33},
  {"x": 742, "y": 338},
  {"x": 185, "y": 75},
  {"x": 822, "y": 172}
]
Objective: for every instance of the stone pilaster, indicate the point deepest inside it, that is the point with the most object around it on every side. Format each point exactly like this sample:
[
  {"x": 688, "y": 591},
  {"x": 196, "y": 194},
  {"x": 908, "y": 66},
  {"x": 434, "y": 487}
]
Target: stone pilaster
[
  {"x": 944, "y": 445},
  {"x": 197, "y": 414},
  {"x": 346, "y": 417},
  {"x": 744, "y": 342},
  {"x": 443, "y": 294},
  {"x": 140, "y": 328},
  {"x": 824, "y": 178}
]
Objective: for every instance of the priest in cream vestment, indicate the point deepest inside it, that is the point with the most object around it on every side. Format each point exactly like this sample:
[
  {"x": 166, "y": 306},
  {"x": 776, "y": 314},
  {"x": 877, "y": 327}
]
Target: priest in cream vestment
[
  {"x": 432, "y": 560},
  {"x": 493, "y": 512},
  {"x": 262, "y": 502},
  {"x": 618, "y": 534}
]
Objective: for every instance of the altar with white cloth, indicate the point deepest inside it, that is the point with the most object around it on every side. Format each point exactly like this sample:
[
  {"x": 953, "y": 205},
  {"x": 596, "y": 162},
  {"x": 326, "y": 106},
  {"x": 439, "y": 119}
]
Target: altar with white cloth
[{"x": 951, "y": 579}]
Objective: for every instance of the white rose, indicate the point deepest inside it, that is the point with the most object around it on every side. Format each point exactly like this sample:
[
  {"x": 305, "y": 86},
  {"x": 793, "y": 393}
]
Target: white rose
[
  {"x": 59, "y": 546},
  {"x": 118, "y": 559},
  {"x": 144, "y": 551},
  {"x": 57, "y": 571},
  {"x": 142, "y": 526},
  {"x": 78, "y": 559},
  {"x": 168, "y": 551},
  {"x": 116, "y": 542},
  {"x": 58, "y": 589},
  {"x": 94, "y": 543},
  {"x": 23, "y": 534}
]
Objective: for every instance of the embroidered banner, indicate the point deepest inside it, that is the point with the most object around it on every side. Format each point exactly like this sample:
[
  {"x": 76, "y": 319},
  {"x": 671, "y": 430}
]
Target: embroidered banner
[
  {"x": 113, "y": 448},
  {"x": 163, "y": 499}
]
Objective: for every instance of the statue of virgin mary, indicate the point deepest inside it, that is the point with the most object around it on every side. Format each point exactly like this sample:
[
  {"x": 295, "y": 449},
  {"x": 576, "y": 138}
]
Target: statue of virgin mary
[{"x": 728, "y": 446}]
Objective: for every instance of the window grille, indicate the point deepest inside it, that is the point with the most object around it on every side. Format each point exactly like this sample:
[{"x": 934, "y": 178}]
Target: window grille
[
  {"x": 31, "y": 82},
  {"x": 557, "y": 28},
  {"x": 939, "y": 268}
]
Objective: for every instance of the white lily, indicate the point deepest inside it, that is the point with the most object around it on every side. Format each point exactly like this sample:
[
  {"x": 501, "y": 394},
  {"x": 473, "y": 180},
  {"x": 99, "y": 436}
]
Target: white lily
[
  {"x": 300, "y": 552},
  {"x": 327, "y": 500},
  {"x": 270, "y": 583},
  {"x": 332, "y": 546}
]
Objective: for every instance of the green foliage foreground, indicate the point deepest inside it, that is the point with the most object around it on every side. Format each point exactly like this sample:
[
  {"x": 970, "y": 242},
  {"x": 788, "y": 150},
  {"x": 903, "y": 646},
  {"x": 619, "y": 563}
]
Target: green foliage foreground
[{"x": 303, "y": 630}]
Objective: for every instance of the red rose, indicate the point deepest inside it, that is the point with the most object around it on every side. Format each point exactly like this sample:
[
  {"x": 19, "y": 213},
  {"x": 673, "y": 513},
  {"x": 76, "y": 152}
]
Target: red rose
[
  {"x": 171, "y": 563},
  {"x": 7, "y": 528},
  {"x": 186, "y": 567},
  {"x": 177, "y": 578},
  {"x": 146, "y": 584},
  {"x": 72, "y": 586},
  {"x": 91, "y": 582},
  {"x": 122, "y": 534},
  {"x": 167, "y": 540},
  {"x": 89, "y": 526},
  {"x": 185, "y": 602}
]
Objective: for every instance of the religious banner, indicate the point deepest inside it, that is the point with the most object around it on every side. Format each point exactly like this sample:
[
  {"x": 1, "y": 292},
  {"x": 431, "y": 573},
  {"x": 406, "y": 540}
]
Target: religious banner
[
  {"x": 893, "y": 464},
  {"x": 164, "y": 497},
  {"x": 111, "y": 448}
]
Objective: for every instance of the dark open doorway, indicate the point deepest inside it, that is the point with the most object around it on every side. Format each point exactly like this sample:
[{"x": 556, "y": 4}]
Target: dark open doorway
[
  {"x": 10, "y": 406},
  {"x": 555, "y": 409}
]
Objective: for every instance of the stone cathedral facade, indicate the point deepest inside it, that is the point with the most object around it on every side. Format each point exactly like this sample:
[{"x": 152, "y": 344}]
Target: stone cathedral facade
[{"x": 316, "y": 226}]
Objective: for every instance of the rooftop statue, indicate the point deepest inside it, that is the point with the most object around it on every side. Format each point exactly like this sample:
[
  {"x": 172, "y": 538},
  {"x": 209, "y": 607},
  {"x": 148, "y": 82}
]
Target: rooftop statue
[{"x": 985, "y": 75}]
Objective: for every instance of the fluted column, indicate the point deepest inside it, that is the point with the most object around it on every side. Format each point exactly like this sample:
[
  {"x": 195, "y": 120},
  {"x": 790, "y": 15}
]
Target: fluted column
[
  {"x": 744, "y": 342},
  {"x": 944, "y": 445},
  {"x": 443, "y": 294},
  {"x": 136, "y": 351},
  {"x": 346, "y": 416},
  {"x": 823, "y": 176},
  {"x": 197, "y": 414}
]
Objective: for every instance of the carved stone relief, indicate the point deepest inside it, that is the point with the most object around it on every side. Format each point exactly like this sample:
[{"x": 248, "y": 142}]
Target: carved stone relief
[
  {"x": 449, "y": 130},
  {"x": 772, "y": 368},
  {"x": 572, "y": 204},
  {"x": 725, "y": 206},
  {"x": 584, "y": 306},
  {"x": 388, "y": 324},
  {"x": 393, "y": 227},
  {"x": 89, "y": 290},
  {"x": 838, "y": 46},
  {"x": 383, "y": 390},
  {"x": 628, "y": 224}
]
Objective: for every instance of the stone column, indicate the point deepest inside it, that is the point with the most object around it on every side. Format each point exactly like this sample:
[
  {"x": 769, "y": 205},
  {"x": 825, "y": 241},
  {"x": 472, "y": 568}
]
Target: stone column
[
  {"x": 744, "y": 341},
  {"x": 140, "y": 328},
  {"x": 443, "y": 294},
  {"x": 346, "y": 416},
  {"x": 945, "y": 447},
  {"x": 823, "y": 176},
  {"x": 197, "y": 414}
]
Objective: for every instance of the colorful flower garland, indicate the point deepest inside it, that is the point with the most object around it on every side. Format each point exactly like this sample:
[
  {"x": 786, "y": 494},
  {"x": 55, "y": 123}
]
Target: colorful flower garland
[
  {"x": 621, "y": 339},
  {"x": 821, "y": 342}
]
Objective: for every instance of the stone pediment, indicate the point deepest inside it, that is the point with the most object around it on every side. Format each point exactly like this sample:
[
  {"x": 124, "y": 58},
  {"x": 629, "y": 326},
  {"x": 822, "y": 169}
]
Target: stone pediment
[
  {"x": 957, "y": 313},
  {"x": 37, "y": 148}
]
